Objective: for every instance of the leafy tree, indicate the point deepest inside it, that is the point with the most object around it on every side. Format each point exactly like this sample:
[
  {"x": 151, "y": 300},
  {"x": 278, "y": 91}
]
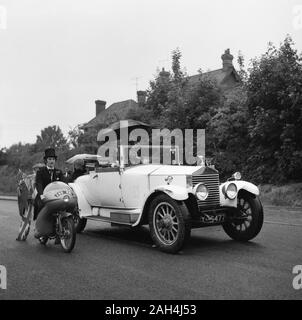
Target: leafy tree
[
  {"x": 23, "y": 156},
  {"x": 3, "y": 157},
  {"x": 274, "y": 101},
  {"x": 88, "y": 141},
  {"x": 173, "y": 103},
  {"x": 74, "y": 135},
  {"x": 230, "y": 133},
  {"x": 243, "y": 74},
  {"x": 51, "y": 136}
]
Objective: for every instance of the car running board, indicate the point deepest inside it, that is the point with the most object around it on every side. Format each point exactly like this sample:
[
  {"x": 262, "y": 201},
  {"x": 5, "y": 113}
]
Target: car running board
[{"x": 118, "y": 216}]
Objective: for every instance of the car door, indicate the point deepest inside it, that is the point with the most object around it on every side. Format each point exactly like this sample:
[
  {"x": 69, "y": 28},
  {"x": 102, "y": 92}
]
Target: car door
[
  {"x": 108, "y": 182},
  {"x": 102, "y": 187}
]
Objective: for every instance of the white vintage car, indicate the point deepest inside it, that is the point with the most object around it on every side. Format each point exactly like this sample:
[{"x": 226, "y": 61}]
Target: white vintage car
[{"x": 171, "y": 199}]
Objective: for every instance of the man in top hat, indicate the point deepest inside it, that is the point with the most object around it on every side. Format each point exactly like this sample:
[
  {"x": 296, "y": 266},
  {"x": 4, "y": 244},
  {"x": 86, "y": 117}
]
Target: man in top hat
[{"x": 45, "y": 176}]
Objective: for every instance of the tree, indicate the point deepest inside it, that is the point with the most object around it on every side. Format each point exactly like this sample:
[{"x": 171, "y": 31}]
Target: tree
[
  {"x": 173, "y": 103},
  {"x": 243, "y": 74},
  {"x": 229, "y": 133},
  {"x": 51, "y": 136},
  {"x": 3, "y": 156},
  {"x": 88, "y": 141},
  {"x": 74, "y": 135},
  {"x": 23, "y": 156},
  {"x": 274, "y": 90}
]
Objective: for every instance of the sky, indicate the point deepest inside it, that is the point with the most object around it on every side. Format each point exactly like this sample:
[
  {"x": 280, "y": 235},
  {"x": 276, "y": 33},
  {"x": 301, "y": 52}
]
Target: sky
[{"x": 58, "y": 56}]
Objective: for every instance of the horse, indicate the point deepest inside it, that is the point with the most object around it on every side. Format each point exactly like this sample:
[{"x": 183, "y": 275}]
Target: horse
[{"x": 26, "y": 193}]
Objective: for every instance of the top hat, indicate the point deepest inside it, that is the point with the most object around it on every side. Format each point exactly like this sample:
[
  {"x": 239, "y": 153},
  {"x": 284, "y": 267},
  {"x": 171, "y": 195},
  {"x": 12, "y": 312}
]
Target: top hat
[{"x": 50, "y": 153}]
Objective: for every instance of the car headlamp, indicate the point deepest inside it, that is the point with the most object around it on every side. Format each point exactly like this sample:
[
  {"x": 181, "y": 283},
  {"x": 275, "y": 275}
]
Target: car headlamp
[
  {"x": 231, "y": 191},
  {"x": 201, "y": 191},
  {"x": 237, "y": 175}
]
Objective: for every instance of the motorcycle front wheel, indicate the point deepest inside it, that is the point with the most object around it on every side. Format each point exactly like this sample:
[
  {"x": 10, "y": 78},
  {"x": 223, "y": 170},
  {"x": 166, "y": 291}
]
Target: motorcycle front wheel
[{"x": 68, "y": 236}]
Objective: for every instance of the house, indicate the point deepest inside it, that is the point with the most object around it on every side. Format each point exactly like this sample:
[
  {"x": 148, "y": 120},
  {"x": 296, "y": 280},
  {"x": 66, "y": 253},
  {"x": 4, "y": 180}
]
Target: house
[
  {"x": 115, "y": 112},
  {"x": 226, "y": 79}
]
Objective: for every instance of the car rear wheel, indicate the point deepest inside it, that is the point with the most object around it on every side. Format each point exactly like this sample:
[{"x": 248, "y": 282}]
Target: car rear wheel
[
  {"x": 249, "y": 218},
  {"x": 169, "y": 223}
]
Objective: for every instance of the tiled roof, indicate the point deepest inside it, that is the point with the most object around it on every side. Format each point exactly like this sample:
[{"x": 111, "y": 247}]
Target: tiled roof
[
  {"x": 117, "y": 111},
  {"x": 219, "y": 76}
]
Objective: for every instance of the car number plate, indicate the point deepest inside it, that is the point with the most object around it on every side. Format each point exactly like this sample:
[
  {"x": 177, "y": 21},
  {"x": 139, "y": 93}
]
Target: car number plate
[{"x": 209, "y": 219}]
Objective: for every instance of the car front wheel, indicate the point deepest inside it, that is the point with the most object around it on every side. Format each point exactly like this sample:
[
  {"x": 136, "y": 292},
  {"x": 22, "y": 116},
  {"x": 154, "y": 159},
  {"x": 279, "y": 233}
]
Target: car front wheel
[
  {"x": 248, "y": 220},
  {"x": 169, "y": 223}
]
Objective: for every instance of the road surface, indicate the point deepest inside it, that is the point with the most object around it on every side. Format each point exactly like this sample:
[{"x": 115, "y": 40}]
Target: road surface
[{"x": 118, "y": 263}]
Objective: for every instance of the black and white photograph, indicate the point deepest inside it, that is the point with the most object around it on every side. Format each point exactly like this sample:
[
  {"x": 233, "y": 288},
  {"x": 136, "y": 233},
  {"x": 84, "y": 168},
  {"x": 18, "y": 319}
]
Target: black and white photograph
[{"x": 150, "y": 153}]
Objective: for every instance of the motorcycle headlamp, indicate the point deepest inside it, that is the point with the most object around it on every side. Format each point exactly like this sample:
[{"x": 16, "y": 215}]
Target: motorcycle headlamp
[
  {"x": 231, "y": 191},
  {"x": 66, "y": 198},
  {"x": 201, "y": 191}
]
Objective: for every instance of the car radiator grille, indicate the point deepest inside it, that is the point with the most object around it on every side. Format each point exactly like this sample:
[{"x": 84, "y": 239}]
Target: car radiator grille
[{"x": 212, "y": 183}]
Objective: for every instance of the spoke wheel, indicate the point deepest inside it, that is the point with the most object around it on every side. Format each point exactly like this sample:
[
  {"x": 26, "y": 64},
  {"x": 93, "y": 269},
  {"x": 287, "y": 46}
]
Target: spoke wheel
[
  {"x": 68, "y": 236},
  {"x": 249, "y": 218},
  {"x": 166, "y": 223},
  {"x": 169, "y": 223}
]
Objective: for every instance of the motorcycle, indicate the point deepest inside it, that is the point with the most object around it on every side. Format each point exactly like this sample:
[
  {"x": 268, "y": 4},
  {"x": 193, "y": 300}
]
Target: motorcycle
[{"x": 56, "y": 220}]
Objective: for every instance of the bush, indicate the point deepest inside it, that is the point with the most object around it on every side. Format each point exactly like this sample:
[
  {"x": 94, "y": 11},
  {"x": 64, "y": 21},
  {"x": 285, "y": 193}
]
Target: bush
[
  {"x": 285, "y": 195},
  {"x": 8, "y": 181}
]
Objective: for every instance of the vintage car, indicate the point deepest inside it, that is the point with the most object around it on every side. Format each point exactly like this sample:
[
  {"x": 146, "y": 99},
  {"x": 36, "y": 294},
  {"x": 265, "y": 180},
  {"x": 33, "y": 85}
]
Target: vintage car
[{"x": 170, "y": 198}]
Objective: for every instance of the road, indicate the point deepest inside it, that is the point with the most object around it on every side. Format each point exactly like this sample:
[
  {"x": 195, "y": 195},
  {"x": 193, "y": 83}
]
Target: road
[{"x": 118, "y": 263}]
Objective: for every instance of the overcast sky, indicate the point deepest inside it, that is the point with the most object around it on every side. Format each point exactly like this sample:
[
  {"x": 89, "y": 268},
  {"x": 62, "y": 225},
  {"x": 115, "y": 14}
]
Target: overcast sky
[{"x": 58, "y": 56}]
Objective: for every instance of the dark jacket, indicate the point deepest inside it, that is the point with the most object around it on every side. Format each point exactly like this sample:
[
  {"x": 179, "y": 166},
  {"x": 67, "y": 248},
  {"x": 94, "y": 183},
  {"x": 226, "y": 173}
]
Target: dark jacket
[{"x": 43, "y": 178}]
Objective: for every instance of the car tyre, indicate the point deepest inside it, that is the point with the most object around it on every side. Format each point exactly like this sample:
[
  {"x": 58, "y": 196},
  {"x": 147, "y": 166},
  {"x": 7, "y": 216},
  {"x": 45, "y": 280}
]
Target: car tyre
[
  {"x": 169, "y": 223},
  {"x": 250, "y": 209}
]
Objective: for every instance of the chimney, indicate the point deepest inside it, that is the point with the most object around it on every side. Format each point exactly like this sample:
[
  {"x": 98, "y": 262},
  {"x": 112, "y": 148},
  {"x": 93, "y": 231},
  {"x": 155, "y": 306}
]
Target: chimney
[
  {"x": 164, "y": 76},
  {"x": 227, "y": 60},
  {"x": 99, "y": 106},
  {"x": 141, "y": 98}
]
